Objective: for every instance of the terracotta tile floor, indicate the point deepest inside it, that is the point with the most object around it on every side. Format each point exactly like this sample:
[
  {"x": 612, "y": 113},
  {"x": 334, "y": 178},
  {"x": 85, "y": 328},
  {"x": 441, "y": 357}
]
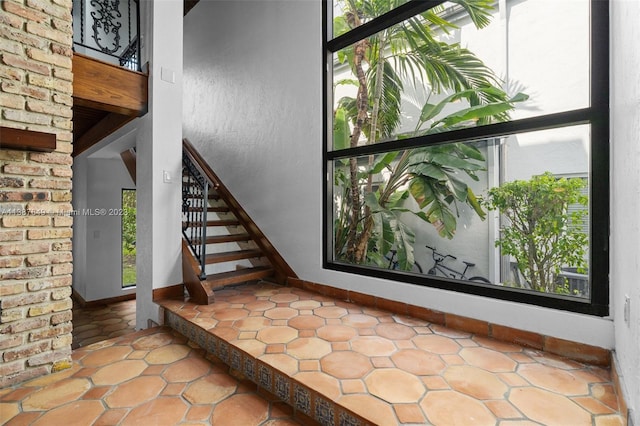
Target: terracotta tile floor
[
  {"x": 391, "y": 369},
  {"x": 152, "y": 377},
  {"x": 380, "y": 367},
  {"x": 91, "y": 325}
]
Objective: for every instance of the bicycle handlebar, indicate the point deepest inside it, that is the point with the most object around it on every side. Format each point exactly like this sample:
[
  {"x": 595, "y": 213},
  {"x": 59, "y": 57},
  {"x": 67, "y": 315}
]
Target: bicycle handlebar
[{"x": 440, "y": 254}]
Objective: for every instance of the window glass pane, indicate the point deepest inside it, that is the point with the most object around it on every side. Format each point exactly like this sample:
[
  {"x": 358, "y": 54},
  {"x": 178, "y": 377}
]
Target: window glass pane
[
  {"x": 345, "y": 17},
  {"x": 417, "y": 77},
  {"x": 128, "y": 237},
  {"x": 552, "y": 171},
  {"x": 510, "y": 211}
]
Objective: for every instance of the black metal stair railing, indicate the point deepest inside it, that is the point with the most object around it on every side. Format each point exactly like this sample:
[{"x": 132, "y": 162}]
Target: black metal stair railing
[
  {"x": 108, "y": 30},
  {"x": 195, "y": 203},
  {"x": 130, "y": 57}
]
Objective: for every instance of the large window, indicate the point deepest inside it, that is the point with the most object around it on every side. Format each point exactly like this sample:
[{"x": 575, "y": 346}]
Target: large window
[{"x": 466, "y": 146}]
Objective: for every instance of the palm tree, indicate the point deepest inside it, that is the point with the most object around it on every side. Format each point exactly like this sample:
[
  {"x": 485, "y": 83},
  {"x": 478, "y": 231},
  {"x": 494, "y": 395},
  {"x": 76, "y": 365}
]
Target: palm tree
[{"x": 367, "y": 222}]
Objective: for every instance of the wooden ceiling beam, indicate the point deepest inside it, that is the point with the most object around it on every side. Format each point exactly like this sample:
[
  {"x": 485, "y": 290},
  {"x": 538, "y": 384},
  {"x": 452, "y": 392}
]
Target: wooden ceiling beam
[
  {"x": 102, "y": 129},
  {"x": 108, "y": 87},
  {"x": 129, "y": 158}
]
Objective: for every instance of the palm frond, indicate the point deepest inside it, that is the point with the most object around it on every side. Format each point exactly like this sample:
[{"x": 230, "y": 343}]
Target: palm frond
[{"x": 389, "y": 115}]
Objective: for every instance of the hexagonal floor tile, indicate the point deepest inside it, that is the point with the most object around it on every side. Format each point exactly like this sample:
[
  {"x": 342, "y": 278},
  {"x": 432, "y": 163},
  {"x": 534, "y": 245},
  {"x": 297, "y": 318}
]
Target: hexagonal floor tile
[
  {"x": 210, "y": 389},
  {"x": 475, "y": 382},
  {"x": 279, "y": 334},
  {"x": 135, "y": 392},
  {"x": 547, "y": 407},
  {"x": 308, "y": 348},
  {"x": 373, "y": 346},
  {"x": 445, "y": 408},
  {"x": 488, "y": 359},
  {"x": 394, "y": 385},
  {"x": 418, "y": 362},
  {"x": 346, "y": 365},
  {"x": 336, "y": 333},
  {"x": 119, "y": 372}
]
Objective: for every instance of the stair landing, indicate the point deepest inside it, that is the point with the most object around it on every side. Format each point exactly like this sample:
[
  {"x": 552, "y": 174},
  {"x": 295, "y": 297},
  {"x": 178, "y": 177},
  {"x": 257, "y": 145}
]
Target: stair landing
[{"x": 337, "y": 363}]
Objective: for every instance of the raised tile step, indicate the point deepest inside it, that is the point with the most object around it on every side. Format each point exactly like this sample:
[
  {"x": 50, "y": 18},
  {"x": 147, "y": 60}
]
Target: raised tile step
[
  {"x": 149, "y": 377},
  {"x": 338, "y": 363}
]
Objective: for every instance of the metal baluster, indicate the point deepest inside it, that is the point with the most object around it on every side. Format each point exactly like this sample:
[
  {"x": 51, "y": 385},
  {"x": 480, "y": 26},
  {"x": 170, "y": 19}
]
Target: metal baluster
[
  {"x": 196, "y": 222},
  {"x": 203, "y": 243},
  {"x": 138, "y": 51},
  {"x": 82, "y": 21},
  {"x": 196, "y": 191}
]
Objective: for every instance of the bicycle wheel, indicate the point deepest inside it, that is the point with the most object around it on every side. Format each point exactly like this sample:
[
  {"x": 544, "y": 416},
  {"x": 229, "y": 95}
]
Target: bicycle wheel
[
  {"x": 431, "y": 271},
  {"x": 480, "y": 280}
]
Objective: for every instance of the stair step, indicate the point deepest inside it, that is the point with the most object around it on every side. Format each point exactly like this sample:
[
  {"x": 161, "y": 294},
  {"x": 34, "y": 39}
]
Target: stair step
[
  {"x": 238, "y": 276},
  {"x": 219, "y": 209},
  {"x": 217, "y": 239},
  {"x": 187, "y": 224},
  {"x": 229, "y": 256},
  {"x": 212, "y": 196}
]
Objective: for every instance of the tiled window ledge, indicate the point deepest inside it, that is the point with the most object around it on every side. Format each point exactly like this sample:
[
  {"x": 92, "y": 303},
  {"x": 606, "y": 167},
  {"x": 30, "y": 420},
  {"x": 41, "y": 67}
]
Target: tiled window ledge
[{"x": 576, "y": 351}]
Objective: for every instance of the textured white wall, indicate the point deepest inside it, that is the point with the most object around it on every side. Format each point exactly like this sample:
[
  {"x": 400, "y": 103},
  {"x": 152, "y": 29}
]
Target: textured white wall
[
  {"x": 103, "y": 276},
  {"x": 159, "y": 149},
  {"x": 252, "y": 107},
  {"x": 625, "y": 226}
]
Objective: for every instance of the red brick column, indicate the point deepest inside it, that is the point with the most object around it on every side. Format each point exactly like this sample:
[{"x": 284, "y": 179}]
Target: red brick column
[{"x": 35, "y": 190}]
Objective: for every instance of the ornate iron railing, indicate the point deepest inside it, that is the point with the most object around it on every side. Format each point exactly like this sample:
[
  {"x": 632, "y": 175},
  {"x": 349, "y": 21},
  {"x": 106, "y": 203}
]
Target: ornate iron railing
[
  {"x": 108, "y": 30},
  {"x": 195, "y": 202}
]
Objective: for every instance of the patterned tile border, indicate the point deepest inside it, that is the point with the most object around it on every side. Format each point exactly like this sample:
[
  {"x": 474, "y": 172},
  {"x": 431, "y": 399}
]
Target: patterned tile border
[{"x": 303, "y": 400}]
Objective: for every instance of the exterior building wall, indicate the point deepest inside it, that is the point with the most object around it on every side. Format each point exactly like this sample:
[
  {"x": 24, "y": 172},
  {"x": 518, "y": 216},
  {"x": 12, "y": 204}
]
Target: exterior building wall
[{"x": 35, "y": 190}]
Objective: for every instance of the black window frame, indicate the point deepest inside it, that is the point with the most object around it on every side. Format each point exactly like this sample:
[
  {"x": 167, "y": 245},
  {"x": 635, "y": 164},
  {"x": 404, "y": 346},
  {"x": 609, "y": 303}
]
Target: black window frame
[
  {"x": 596, "y": 115},
  {"x": 122, "y": 284}
]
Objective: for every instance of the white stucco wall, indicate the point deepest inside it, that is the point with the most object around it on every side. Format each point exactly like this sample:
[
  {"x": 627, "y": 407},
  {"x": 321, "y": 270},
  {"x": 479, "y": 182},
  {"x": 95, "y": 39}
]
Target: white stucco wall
[
  {"x": 97, "y": 237},
  {"x": 159, "y": 150},
  {"x": 625, "y": 227},
  {"x": 259, "y": 76},
  {"x": 107, "y": 178}
]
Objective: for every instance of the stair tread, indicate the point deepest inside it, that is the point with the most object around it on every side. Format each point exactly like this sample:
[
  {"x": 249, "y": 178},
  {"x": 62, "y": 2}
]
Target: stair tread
[
  {"x": 240, "y": 275},
  {"x": 229, "y": 256},
  {"x": 217, "y": 209},
  {"x": 212, "y": 196},
  {"x": 189, "y": 224},
  {"x": 217, "y": 239}
]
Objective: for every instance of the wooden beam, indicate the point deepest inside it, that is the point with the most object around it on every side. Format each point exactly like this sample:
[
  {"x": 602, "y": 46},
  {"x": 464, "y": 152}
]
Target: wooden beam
[
  {"x": 200, "y": 293},
  {"x": 108, "y": 87},
  {"x": 104, "y": 128},
  {"x": 188, "y": 5},
  {"x": 26, "y": 140},
  {"x": 129, "y": 158}
]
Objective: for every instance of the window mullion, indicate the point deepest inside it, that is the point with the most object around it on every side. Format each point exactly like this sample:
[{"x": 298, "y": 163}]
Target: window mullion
[{"x": 382, "y": 22}]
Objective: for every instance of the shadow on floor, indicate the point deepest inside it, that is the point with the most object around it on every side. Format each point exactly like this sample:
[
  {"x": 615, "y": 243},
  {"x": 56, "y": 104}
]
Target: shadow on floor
[{"x": 95, "y": 324}]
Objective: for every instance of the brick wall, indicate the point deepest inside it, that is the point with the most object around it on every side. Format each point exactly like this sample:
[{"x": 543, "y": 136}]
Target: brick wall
[{"x": 35, "y": 190}]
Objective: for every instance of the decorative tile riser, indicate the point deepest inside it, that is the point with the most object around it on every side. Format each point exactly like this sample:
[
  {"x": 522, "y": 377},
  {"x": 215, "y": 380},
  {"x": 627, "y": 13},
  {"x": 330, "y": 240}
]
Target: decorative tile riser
[{"x": 300, "y": 397}]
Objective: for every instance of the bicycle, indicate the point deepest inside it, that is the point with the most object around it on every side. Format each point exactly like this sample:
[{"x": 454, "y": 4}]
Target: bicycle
[
  {"x": 446, "y": 271},
  {"x": 395, "y": 264}
]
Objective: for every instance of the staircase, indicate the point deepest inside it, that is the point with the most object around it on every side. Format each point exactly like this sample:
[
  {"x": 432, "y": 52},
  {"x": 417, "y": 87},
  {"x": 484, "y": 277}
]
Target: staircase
[{"x": 221, "y": 246}]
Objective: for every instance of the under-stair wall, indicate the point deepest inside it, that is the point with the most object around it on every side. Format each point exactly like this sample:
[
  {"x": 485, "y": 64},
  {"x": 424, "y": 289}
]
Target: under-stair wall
[{"x": 222, "y": 244}]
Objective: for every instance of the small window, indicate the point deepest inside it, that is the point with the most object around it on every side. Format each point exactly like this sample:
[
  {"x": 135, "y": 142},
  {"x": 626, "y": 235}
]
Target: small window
[{"x": 128, "y": 238}]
